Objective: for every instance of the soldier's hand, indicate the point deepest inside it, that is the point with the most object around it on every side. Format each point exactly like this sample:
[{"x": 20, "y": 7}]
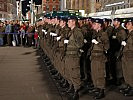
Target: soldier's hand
[
  {"x": 66, "y": 41},
  {"x": 94, "y": 41},
  {"x": 81, "y": 50},
  {"x": 123, "y": 43},
  {"x": 85, "y": 41},
  {"x": 43, "y": 30},
  {"x": 53, "y": 34},
  {"x": 45, "y": 33},
  {"x": 58, "y": 38}
]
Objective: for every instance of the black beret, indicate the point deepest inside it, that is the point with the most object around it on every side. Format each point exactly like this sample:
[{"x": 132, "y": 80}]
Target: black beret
[
  {"x": 80, "y": 18},
  {"x": 64, "y": 18},
  {"x": 72, "y": 17},
  {"x": 90, "y": 19},
  {"x": 130, "y": 20},
  {"x": 97, "y": 20},
  {"x": 117, "y": 19},
  {"x": 105, "y": 20}
]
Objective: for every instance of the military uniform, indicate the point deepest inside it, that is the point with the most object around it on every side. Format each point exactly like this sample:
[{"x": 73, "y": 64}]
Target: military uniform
[
  {"x": 127, "y": 60},
  {"x": 98, "y": 58},
  {"x": 84, "y": 61},
  {"x": 72, "y": 57},
  {"x": 119, "y": 34},
  {"x": 60, "y": 49}
]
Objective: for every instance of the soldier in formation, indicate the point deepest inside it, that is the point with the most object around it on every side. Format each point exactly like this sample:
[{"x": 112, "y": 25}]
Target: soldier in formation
[{"x": 85, "y": 53}]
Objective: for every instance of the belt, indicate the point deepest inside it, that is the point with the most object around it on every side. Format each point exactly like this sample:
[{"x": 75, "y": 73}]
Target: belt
[
  {"x": 97, "y": 51},
  {"x": 71, "y": 52}
]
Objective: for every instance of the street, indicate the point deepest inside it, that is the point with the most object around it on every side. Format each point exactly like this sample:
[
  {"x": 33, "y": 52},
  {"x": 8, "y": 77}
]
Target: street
[{"x": 22, "y": 79}]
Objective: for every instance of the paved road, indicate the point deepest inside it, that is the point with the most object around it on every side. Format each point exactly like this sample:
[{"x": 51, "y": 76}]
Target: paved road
[{"x": 21, "y": 78}]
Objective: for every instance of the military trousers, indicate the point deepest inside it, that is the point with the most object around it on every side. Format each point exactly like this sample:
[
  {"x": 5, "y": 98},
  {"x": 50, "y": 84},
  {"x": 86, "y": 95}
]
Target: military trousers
[
  {"x": 72, "y": 70},
  {"x": 98, "y": 60},
  {"x": 127, "y": 67}
]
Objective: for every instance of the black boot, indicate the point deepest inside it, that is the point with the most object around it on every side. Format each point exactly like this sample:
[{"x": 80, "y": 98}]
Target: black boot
[
  {"x": 70, "y": 89},
  {"x": 75, "y": 95},
  {"x": 99, "y": 94},
  {"x": 125, "y": 89},
  {"x": 65, "y": 84},
  {"x": 129, "y": 92}
]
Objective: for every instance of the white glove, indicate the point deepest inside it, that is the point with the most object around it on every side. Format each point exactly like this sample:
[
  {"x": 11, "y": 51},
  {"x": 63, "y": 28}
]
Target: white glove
[
  {"x": 123, "y": 43},
  {"x": 85, "y": 41},
  {"x": 43, "y": 30},
  {"x": 66, "y": 41},
  {"x": 51, "y": 33},
  {"x": 94, "y": 41},
  {"x": 35, "y": 30},
  {"x": 114, "y": 37},
  {"x": 54, "y": 34},
  {"x": 58, "y": 38},
  {"x": 81, "y": 50},
  {"x": 45, "y": 33}
]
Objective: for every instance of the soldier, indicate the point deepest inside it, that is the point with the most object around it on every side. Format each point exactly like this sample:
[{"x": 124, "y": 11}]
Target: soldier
[
  {"x": 127, "y": 59},
  {"x": 100, "y": 45},
  {"x": 74, "y": 43},
  {"x": 63, "y": 33},
  {"x": 84, "y": 68},
  {"x": 109, "y": 30},
  {"x": 118, "y": 35}
]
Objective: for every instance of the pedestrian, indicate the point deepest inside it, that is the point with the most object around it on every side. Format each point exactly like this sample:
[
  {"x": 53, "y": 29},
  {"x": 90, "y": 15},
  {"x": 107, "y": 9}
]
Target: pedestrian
[
  {"x": 2, "y": 29},
  {"x": 8, "y": 32}
]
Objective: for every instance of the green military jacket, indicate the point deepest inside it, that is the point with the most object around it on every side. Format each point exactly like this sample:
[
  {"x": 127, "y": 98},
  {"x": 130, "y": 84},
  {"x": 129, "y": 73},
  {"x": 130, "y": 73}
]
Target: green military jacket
[
  {"x": 120, "y": 34},
  {"x": 40, "y": 31},
  {"x": 103, "y": 41},
  {"x": 129, "y": 45},
  {"x": 75, "y": 41},
  {"x": 63, "y": 33},
  {"x": 109, "y": 30}
]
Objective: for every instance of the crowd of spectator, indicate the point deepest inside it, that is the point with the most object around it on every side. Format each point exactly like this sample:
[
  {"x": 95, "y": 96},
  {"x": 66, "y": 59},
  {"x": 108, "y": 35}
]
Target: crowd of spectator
[{"x": 16, "y": 33}]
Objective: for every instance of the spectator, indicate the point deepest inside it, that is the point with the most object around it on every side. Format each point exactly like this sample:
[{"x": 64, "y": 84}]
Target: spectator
[
  {"x": 8, "y": 31},
  {"x": 2, "y": 29}
]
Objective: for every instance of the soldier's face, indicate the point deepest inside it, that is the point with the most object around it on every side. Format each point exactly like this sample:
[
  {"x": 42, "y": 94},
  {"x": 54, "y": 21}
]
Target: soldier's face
[
  {"x": 95, "y": 26},
  {"x": 129, "y": 26},
  {"x": 116, "y": 23},
  {"x": 61, "y": 23},
  {"x": 70, "y": 23}
]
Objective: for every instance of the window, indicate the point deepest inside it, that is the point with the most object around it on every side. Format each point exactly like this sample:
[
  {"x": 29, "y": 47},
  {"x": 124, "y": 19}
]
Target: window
[
  {"x": 1, "y": 5},
  {"x": 47, "y": 7},
  {"x": 97, "y": 1},
  {"x": 0, "y": 15},
  {"x": 54, "y": 8}
]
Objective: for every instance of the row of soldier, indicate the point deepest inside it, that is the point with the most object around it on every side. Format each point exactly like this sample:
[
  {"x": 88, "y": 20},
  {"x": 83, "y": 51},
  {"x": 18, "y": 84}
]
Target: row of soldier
[{"x": 87, "y": 52}]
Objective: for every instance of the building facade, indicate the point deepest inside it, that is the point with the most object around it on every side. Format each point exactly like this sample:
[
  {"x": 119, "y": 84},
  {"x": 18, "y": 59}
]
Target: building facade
[
  {"x": 88, "y": 5},
  {"x": 115, "y": 4},
  {"x": 50, "y": 5},
  {"x": 8, "y": 9}
]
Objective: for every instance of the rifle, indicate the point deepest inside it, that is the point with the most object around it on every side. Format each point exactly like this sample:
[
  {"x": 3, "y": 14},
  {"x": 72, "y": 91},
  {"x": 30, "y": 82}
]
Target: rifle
[{"x": 120, "y": 53}]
